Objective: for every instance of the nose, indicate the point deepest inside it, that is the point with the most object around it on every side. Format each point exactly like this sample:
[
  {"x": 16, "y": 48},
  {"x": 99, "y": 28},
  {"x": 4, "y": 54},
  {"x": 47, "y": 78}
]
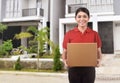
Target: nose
[{"x": 82, "y": 18}]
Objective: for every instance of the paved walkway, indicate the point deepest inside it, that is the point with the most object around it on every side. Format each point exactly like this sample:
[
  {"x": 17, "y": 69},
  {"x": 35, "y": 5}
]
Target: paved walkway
[
  {"x": 31, "y": 77},
  {"x": 110, "y": 70}
]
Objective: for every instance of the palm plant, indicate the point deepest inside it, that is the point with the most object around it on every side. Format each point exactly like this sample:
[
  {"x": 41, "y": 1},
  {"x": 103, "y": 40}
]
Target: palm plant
[
  {"x": 41, "y": 36},
  {"x": 23, "y": 35}
]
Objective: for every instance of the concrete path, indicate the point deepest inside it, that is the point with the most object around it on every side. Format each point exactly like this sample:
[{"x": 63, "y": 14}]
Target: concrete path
[
  {"x": 109, "y": 72},
  {"x": 14, "y": 77}
]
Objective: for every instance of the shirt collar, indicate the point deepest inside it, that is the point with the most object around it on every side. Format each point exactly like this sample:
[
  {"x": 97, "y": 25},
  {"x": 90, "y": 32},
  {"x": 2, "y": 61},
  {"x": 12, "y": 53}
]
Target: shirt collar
[{"x": 87, "y": 30}]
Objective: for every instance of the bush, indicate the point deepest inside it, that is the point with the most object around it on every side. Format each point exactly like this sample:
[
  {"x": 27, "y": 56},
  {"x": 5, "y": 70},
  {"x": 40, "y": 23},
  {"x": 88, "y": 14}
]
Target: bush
[
  {"x": 57, "y": 63},
  {"x": 17, "y": 65},
  {"x": 6, "y": 47},
  {"x": 2, "y": 51}
]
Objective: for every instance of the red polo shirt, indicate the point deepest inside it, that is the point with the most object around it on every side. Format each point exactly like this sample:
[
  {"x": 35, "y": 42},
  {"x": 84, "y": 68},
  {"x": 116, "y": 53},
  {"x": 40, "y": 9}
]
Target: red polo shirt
[{"x": 75, "y": 36}]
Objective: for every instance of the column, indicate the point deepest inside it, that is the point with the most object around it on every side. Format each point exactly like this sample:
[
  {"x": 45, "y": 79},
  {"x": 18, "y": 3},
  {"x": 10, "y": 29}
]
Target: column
[
  {"x": 95, "y": 22},
  {"x": 61, "y": 35},
  {"x": 24, "y": 40}
]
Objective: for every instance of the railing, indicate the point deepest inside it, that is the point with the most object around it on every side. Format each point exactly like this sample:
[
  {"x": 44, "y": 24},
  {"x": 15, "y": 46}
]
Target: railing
[
  {"x": 72, "y": 7},
  {"x": 96, "y": 8},
  {"x": 33, "y": 12},
  {"x": 41, "y": 12},
  {"x": 101, "y": 7}
]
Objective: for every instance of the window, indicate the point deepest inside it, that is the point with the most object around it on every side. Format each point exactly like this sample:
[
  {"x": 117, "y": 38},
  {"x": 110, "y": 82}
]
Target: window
[{"x": 12, "y": 8}]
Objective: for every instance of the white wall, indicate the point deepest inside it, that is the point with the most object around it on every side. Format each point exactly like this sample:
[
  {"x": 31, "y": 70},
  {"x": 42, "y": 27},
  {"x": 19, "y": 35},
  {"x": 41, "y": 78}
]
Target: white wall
[
  {"x": 0, "y": 17},
  {"x": 24, "y": 4},
  {"x": 45, "y": 6},
  {"x": 116, "y": 32},
  {"x": 28, "y": 4},
  {"x": 0, "y": 10},
  {"x": 32, "y": 4},
  {"x": 70, "y": 1}
]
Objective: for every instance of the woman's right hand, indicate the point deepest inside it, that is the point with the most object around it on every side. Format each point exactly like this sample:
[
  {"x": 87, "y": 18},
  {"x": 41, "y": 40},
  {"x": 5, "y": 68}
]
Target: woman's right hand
[
  {"x": 65, "y": 63},
  {"x": 64, "y": 57}
]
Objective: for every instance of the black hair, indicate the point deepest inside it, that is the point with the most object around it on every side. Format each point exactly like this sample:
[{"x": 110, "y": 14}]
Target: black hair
[{"x": 82, "y": 9}]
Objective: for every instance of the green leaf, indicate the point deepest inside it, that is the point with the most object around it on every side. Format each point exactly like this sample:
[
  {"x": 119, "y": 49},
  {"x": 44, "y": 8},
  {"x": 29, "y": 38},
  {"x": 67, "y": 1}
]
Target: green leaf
[{"x": 23, "y": 35}]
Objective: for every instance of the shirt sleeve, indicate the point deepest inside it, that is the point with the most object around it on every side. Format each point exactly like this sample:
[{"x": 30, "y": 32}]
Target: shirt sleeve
[
  {"x": 98, "y": 40},
  {"x": 66, "y": 40}
]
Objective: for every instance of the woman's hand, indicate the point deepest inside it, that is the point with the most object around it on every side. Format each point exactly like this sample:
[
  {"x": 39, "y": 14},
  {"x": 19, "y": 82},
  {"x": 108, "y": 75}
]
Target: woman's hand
[
  {"x": 99, "y": 57},
  {"x": 98, "y": 62},
  {"x": 64, "y": 57},
  {"x": 65, "y": 63}
]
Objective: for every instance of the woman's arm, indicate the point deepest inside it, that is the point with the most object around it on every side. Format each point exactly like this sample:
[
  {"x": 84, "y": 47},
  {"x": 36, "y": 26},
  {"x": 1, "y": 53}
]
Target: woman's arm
[
  {"x": 64, "y": 57},
  {"x": 99, "y": 53}
]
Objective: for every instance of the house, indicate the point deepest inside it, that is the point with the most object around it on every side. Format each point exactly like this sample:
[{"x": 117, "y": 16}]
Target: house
[
  {"x": 105, "y": 19},
  {"x": 58, "y": 15},
  {"x": 18, "y": 15}
]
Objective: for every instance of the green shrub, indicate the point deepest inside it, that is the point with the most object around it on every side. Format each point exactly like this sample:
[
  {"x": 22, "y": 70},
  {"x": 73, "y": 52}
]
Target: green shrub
[
  {"x": 57, "y": 63},
  {"x": 33, "y": 46},
  {"x": 2, "y": 51},
  {"x": 17, "y": 65},
  {"x": 6, "y": 47}
]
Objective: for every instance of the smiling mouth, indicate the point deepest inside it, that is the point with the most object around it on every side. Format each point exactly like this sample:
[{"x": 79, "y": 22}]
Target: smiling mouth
[{"x": 82, "y": 23}]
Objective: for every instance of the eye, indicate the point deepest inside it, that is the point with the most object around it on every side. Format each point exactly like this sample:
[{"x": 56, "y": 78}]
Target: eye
[
  {"x": 85, "y": 16},
  {"x": 79, "y": 16}
]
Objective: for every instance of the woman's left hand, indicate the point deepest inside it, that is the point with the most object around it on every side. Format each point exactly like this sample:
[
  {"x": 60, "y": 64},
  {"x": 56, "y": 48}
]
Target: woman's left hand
[{"x": 98, "y": 62}]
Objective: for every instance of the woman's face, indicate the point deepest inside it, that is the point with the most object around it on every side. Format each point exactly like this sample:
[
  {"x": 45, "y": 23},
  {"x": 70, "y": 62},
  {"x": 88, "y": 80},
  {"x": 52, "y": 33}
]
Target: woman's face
[{"x": 82, "y": 19}]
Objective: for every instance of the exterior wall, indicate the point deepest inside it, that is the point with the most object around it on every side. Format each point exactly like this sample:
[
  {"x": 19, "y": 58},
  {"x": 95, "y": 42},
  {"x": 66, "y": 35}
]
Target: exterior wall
[
  {"x": 45, "y": 6},
  {"x": 24, "y": 4},
  {"x": 99, "y": 6},
  {"x": 116, "y": 31},
  {"x": 70, "y": 2},
  {"x": 32, "y": 4},
  {"x": 76, "y": 1},
  {"x": 56, "y": 12},
  {"x": 28, "y": 4},
  {"x": 2, "y": 9},
  {"x": 117, "y": 7}
]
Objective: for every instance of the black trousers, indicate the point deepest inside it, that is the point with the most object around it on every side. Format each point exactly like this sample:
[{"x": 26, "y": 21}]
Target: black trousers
[{"x": 81, "y": 74}]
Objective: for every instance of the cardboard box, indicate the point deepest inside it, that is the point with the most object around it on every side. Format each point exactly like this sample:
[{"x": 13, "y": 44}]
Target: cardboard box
[{"x": 81, "y": 54}]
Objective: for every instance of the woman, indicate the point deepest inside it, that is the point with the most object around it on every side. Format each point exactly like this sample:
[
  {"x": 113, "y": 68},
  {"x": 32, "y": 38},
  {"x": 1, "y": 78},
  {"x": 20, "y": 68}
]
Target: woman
[{"x": 81, "y": 34}]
